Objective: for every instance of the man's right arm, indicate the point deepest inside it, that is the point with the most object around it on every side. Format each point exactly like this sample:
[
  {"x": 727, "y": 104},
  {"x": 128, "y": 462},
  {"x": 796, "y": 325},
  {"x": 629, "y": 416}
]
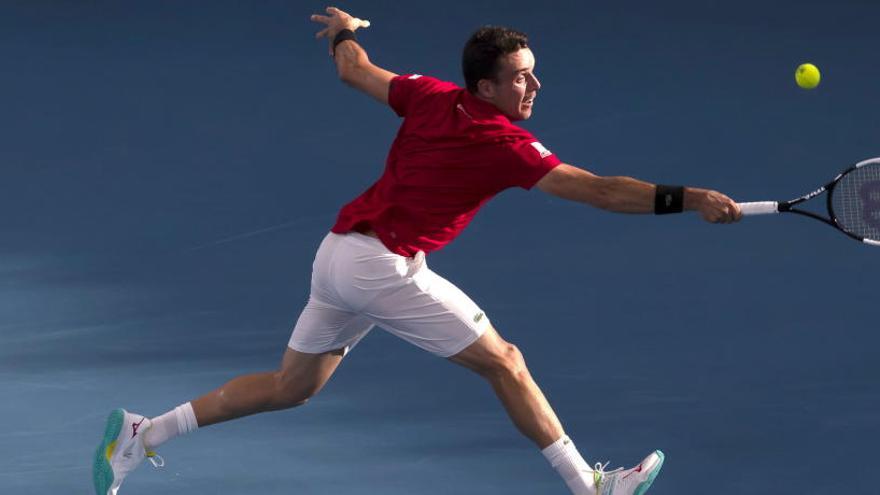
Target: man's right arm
[
  {"x": 356, "y": 70},
  {"x": 352, "y": 63}
]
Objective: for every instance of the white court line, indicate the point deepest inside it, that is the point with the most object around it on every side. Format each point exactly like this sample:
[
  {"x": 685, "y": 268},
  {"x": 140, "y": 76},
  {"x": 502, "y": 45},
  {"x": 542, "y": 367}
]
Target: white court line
[
  {"x": 40, "y": 471},
  {"x": 253, "y": 233}
]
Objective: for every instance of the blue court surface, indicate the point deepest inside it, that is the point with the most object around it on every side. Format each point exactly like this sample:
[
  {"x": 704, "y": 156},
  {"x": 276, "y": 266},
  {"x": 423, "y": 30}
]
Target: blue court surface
[{"x": 169, "y": 168}]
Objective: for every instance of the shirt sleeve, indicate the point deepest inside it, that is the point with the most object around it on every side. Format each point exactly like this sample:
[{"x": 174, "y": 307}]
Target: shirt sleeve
[
  {"x": 531, "y": 162},
  {"x": 409, "y": 90}
]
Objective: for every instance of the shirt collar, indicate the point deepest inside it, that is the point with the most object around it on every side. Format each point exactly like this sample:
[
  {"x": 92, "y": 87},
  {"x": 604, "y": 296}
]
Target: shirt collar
[{"x": 480, "y": 109}]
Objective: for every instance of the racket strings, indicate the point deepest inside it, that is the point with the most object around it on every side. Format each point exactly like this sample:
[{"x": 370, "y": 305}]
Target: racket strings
[{"x": 855, "y": 202}]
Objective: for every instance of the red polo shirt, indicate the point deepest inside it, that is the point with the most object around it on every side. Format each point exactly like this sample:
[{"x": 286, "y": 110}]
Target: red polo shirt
[{"x": 452, "y": 153}]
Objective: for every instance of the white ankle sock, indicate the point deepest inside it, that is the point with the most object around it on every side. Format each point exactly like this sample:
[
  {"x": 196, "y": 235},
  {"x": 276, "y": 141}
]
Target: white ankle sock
[
  {"x": 178, "y": 421},
  {"x": 567, "y": 461}
]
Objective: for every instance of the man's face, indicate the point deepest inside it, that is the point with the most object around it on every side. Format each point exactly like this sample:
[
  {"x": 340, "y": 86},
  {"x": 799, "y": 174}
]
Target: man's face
[{"x": 515, "y": 87}]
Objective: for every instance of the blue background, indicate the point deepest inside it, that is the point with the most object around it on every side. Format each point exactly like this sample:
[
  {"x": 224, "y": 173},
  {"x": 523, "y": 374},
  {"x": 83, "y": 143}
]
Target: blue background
[{"x": 167, "y": 170}]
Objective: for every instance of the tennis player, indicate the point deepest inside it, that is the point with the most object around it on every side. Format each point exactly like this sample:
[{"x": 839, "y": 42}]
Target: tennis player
[{"x": 456, "y": 149}]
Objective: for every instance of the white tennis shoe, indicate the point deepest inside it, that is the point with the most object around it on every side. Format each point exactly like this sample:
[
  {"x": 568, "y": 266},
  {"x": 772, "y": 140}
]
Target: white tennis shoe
[
  {"x": 633, "y": 481},
  {"x": 121, "y": 451}
]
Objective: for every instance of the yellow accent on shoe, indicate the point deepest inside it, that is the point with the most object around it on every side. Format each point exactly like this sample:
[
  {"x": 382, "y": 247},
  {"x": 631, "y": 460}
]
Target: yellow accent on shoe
[{"x": 108, "y": 452}]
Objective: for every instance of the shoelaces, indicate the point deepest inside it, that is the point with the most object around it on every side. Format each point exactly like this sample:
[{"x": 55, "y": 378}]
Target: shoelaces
[
  {"x": 599, "y": 475},
  {"x": 155, "y": 459}
]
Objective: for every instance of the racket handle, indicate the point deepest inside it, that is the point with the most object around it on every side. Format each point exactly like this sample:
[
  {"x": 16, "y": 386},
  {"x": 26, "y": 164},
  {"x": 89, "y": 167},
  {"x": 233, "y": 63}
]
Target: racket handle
[{"x": 759, "y": 208}]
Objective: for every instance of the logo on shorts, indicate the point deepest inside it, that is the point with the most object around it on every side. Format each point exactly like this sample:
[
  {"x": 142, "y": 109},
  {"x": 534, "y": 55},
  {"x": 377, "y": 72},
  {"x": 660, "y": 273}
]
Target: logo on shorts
[{"x": 478, "y": 317}]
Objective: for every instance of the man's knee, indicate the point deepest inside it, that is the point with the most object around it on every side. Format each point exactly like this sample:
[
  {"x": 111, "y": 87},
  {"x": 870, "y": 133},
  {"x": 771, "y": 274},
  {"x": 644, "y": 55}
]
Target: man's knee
[
  {"x": 505, "y": 363},
  {"x": 293, "y": 391},
  {"x": 302, "y": 375},
  {"x": 513, "y": 359},
  {"x": 493, "y": 358}
]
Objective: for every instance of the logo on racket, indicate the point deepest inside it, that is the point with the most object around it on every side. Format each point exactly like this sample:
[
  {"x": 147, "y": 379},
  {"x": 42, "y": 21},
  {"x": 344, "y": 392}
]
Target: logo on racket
[{"x": 870, "y": 193}]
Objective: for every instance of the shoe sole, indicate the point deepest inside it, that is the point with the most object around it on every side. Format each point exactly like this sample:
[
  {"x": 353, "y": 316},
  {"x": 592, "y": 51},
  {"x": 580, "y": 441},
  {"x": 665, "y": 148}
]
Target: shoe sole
[
  {"x": 102, "y": 472},
  {"x": 643, "y": 486}
]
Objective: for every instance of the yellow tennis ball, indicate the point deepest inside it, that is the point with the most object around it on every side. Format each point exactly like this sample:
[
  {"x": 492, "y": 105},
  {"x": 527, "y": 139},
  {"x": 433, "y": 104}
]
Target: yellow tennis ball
[{"x": 807, "y": 76}]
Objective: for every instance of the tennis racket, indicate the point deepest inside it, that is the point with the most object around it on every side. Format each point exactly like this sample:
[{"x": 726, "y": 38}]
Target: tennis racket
[{"x": 853, "y": 202}]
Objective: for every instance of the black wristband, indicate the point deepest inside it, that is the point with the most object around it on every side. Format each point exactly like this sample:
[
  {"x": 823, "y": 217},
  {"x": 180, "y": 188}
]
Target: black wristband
[
  {"x": 668, "y": 199},
  {"x": 345, "y": 34}
]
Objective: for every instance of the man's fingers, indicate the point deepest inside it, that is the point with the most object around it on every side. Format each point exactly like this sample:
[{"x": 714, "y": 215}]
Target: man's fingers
[
  {"x": 721, "y": 215},
  {"x": 720, "y": 209},
  {"x": 731, "y": 211},
  {"x": 336, "y": 13},
  {"x": 322, "y": 33},
  {"x": 320, "y": 18}
]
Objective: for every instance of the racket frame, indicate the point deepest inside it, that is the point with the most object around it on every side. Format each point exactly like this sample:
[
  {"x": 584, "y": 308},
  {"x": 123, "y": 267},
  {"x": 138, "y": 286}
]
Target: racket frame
[{"x": 788, "y": 206}]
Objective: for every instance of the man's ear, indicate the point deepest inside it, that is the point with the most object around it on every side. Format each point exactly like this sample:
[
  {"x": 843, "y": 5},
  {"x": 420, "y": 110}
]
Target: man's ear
[{"x": 486, "y": 88}]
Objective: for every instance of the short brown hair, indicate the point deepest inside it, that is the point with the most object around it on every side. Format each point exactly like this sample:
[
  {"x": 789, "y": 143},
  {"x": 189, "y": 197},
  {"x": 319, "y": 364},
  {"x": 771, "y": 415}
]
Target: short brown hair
[{"x": 481, "y": 52}]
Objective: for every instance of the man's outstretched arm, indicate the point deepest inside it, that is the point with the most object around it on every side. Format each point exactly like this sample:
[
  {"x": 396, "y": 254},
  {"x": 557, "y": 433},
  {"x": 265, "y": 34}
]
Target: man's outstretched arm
[
  {"x": 628, "y": 195},
  {"x": 352, "y": 63}
]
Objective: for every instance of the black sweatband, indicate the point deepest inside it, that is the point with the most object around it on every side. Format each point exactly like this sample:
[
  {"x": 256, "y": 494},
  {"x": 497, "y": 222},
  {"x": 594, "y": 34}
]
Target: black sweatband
[
  {"x": 668, "y": 199},
  {"x": 345, "y": 34}
]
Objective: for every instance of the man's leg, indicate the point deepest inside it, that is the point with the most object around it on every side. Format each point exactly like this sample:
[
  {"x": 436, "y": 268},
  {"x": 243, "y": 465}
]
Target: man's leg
[
  {"x": 121, "y": 450},
  {"x": 502, "y": 364},
  {"x": 299, "y": 377},
  {"x": 407, "y": 299}
]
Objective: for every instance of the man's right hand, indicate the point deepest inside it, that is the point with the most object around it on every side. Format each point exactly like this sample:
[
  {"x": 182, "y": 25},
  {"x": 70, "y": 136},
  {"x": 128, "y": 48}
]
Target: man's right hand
[
  {"x": 335, "y": 22},
  {"x": 713, "y": 206},
  {"x": 352, "y": 63}
]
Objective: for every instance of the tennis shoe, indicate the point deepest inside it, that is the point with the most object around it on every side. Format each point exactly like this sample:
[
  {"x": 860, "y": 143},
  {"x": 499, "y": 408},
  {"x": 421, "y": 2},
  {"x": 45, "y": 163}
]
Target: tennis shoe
[
  {"x": 633, "y": 481},
  {"x": 121, "y": 451}
]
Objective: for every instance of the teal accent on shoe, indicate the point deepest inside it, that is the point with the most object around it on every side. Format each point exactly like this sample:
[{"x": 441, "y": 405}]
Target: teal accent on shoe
[
  {"x": 643, "y": 486},
  {"x": 102, "y": 473}
]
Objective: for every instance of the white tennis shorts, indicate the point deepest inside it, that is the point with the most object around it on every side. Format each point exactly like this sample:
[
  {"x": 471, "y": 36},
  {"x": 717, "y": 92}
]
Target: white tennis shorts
[{"x": 358, "y": 283}]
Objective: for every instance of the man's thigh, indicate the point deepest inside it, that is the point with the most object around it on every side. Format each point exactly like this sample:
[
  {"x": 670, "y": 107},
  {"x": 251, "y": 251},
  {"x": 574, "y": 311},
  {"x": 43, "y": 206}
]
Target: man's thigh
[
  {"x": 322, "y": 327},
  {"x": 429, "y": 312}
]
